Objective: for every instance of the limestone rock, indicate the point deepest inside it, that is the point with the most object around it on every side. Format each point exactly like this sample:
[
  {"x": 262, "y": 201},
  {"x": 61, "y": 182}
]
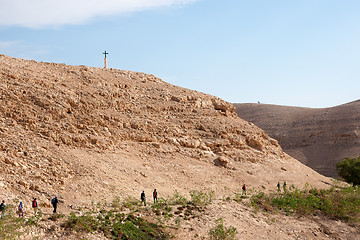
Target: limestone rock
[
  {"x": 189, "y": 143},
  {"x": 222, "y": 161},
  {"x": 223, "y": 106},
  {"x": 255, "y": 142}
]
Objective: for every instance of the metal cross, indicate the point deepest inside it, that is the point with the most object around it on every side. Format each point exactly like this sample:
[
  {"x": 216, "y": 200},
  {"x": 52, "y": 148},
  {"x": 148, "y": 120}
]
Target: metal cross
[{"x": 105, "y": 53}]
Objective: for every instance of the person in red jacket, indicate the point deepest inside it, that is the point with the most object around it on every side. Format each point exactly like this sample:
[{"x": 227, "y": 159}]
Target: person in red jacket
[
  {"x": 35, "y": 206},
  {"x": 155, "y": 196},
  {"x": 244, "y": 189}
]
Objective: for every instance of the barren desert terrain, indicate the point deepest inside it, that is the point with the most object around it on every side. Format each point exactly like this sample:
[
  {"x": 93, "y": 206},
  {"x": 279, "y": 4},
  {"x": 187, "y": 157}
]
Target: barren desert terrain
[{"x": 89, "y": 134}]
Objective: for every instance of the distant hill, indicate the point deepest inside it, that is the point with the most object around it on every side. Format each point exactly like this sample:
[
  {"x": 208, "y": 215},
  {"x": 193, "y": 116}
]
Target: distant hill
[{"x": 319, "y": 138}]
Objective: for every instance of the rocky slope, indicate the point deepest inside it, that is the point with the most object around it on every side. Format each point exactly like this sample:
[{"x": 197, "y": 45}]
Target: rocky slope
[
  {"x": 319, "y": 138},
  {"x": 88, "y": 134}
]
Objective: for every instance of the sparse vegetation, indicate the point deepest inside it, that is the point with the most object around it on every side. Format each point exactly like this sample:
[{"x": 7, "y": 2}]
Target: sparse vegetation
[
  {"x": 131, "y": 203},
  {"x": 200, "y": 198},
  {"x": 10, "y": 224},
  {"x": 178, "y": 199},
  {"x": 349, "y": 170},
  {"x": 116, "y": 226},
  {"x": 162, "y": 208},
  {"x": 56, "y": 216},
  {"x": 118, "y": 219},
  {"x": 220, "y": 232},
  {"x": 127, "y": 219},
  {"x": 340, "y": 203},
  {"x": 239, "y": 197}
]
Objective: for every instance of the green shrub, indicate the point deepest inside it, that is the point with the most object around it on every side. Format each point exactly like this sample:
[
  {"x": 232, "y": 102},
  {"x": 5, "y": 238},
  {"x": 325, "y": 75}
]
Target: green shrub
[
  {"x": 199, "y": 198},
  {"x": 137, "y": 228},
  {"x": 115, "y": 225},
  {"x": 116, "y": 203},
  {"x": 177, "y": 222},
  {"x": 178, "y": 199},
  {"x": 220, "y": 232},
  {"x": 349, "y": 170},
  {"x": 86, "y": 223},
  {"x": 239, "y": 197},
  {"x": 131, "y": 203}
]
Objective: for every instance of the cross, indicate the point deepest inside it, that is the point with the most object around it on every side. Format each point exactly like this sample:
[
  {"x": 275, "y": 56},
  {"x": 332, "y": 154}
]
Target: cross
[{"x": 105, "y": 53}]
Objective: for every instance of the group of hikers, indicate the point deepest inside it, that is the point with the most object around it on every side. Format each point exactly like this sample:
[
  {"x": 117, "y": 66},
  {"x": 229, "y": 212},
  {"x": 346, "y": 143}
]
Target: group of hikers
[
  {"x": 55, "y": 201},
  {"x": 143, "y": 197},
  {"x": 34, "y": 204},
  {"x": 277, "y": 185}
]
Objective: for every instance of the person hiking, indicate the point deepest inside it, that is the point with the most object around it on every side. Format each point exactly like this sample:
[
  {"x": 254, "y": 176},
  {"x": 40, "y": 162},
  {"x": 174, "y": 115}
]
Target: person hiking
[
  {"x": 244, "y": 189},
  {"x": 278, "y": 186},
  {"x": 54, "y": 202},
  {"x": 143, "y": 198},
  {"x": 284, "y": 186},
  {"x": 35, "y": 206},
  {"x": 155, "y": 196},
  {"x": 2, "y": 208},
  {"x": 21, "y": 209}
]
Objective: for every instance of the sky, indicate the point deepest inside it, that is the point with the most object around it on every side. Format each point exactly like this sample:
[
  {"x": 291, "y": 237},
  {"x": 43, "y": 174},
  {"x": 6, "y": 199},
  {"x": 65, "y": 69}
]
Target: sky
[{"x": 302, "y": 53}]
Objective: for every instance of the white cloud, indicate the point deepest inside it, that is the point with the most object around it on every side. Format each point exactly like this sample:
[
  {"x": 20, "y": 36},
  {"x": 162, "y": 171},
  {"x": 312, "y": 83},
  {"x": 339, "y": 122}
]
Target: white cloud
[{"x": 45, "y": 13}]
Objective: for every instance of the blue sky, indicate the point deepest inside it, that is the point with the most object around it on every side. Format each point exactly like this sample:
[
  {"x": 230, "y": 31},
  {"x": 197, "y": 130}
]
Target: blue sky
[{"x": 300, "y": 53}]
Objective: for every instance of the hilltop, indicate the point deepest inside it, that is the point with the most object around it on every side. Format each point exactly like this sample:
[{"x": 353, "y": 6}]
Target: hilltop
[
  {"x": 91, "y": 134},
  {"x": 318, "y": 137}
]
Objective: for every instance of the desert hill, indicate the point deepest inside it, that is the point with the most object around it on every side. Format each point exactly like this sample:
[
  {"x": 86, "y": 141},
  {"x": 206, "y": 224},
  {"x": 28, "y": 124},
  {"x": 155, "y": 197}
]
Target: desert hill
[
  {"x": 319, "y": 138},
  {"x": 88, "y": 134}
]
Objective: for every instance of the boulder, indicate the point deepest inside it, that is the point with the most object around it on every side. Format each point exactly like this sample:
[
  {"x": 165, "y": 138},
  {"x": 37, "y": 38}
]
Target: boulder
[{"x": 222, "y": 161}]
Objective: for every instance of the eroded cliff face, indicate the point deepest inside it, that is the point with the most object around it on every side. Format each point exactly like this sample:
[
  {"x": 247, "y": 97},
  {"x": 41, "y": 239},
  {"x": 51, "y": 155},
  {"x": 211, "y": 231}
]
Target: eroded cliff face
[{"x": 320, "y": 138}]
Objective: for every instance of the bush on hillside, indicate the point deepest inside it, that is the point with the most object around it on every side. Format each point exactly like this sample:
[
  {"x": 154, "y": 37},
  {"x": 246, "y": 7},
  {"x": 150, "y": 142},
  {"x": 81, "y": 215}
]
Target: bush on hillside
[
  {"x": 220, "y": 232},
  {"x": 349, "y": 170},
  {"x": 200, "y": 198}
]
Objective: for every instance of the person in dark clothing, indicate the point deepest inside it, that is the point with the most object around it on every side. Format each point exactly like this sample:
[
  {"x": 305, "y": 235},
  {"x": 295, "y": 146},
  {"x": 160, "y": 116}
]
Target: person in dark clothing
[
  {"x": 35, "y": 206},
  {"x": 278, "y": 186},
  {"x": 21, "y": 209},
  {"x": 54, "y": 202},
  {"x": 143, "y": 198},
  {"x": 155, "y": 196},
  {"x": 2, "y": 208},
  {"x": 244, "y": 189}
]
